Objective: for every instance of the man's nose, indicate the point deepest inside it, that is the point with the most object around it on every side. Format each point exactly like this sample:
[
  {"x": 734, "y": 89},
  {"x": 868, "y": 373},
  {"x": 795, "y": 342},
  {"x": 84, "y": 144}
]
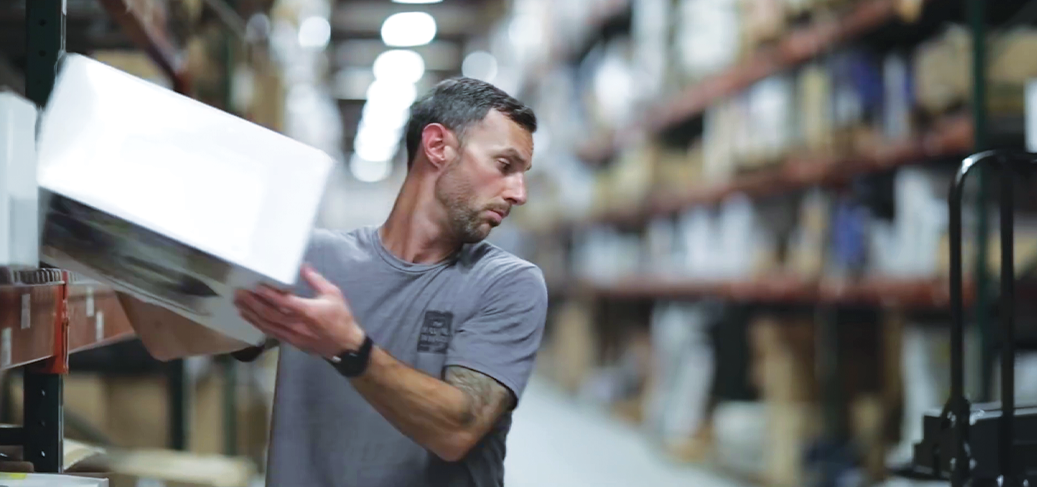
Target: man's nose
[{"x": 516, "y": 192}]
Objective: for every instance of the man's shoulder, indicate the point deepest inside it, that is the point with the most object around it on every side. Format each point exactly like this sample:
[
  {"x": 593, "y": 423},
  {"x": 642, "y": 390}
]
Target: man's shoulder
[
  {"x": 492, "y": 264},
  {"x": 322, "y": 239}
]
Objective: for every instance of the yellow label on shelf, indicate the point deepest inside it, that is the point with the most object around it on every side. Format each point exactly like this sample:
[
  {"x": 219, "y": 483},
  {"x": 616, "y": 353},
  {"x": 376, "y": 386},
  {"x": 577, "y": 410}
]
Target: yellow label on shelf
[{"x": 13, "y": 476}]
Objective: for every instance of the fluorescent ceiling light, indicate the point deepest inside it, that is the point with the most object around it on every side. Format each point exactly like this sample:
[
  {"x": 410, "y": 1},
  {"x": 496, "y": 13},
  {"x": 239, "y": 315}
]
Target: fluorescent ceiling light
[
  {"x": 384, "y": 118},
  {"x": 378, "y": 136},
  {"x": 373, "y": 151},
  {"x": 315, "y": 33},
  {"x": 480, "y": 65},
  {"x": 376, "y": 144},
  {"x": 408, "y": 29},
  {"x": 369, "y": 171},
  {"x": 399, "y": 66},
  {"x": 417, "y": 2},
  {"x": 390, "y": 95}
]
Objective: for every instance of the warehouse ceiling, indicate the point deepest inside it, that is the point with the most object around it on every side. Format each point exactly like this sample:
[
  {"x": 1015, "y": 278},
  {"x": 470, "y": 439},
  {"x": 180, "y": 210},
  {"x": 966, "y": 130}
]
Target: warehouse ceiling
[
  {"x": 355, "y": 38},
  {"x": 461, "y": 25}
]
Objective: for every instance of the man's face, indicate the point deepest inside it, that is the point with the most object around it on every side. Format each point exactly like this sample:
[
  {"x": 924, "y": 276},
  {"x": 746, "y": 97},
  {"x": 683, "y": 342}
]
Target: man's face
[{"x": 488, "y": 177}]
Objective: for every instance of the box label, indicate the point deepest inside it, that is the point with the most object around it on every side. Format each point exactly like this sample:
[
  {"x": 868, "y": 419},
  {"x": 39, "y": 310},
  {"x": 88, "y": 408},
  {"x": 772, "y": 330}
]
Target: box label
[
  {"x": 89, "y": 302},
  {"x": 26, "y": 311},
  {"x": 99, "y": 327},
  {"x": 5, "y": 347}
]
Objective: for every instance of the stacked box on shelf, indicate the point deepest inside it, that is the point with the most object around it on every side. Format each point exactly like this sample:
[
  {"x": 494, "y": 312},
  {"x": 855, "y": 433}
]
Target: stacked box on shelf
[
  {"x": 19, "y": 239},
  {"x": 625, "y": 184},
  {"x": 706, "y": 39},
  {"x": 856, "y": 99},
  {"x": 677, "y": 170},
  {"x": 815, "y": 113},
  {"x": 770, "y": 122},
  {"x": 943, "y": 71},
  {"x": 806, "y": 249},
  {"x": 763, "y": 21}
]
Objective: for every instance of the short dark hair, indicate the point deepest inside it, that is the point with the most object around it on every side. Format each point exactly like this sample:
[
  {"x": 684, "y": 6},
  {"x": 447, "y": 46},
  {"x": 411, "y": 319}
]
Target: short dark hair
[{"x": 459, "y": 103}]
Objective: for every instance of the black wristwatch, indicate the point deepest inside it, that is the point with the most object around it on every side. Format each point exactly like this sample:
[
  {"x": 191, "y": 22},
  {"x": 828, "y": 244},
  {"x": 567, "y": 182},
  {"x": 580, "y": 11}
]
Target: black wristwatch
[{"x": 353, "y": 363}]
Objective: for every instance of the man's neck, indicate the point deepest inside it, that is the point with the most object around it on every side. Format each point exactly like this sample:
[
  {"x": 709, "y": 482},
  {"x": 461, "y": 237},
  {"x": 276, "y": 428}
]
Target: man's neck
[{"x": 413, "y": 232}]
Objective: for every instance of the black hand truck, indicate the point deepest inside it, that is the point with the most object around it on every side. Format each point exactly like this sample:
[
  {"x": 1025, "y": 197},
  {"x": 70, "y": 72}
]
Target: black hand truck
[{"x": 982, "y": 444}]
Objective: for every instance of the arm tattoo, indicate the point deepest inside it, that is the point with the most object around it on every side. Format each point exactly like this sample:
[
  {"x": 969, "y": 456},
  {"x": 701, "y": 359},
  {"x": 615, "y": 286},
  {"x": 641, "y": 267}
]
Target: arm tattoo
[{"x": 486, "y": 400}]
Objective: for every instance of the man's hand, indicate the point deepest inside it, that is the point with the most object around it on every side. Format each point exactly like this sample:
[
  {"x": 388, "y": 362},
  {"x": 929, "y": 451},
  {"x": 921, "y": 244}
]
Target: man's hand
[{"x": 322, "y": 326}]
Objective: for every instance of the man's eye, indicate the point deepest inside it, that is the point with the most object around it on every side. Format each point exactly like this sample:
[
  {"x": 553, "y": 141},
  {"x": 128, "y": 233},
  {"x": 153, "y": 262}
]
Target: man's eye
[{"x": 504, "y": 164}]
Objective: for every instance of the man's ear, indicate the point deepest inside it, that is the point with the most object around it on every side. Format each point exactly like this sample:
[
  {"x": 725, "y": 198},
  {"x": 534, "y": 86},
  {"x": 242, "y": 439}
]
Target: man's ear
[{"x": 439, "y": 144}]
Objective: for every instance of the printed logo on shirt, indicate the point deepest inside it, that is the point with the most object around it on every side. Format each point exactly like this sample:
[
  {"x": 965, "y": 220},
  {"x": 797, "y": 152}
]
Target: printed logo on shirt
[{"x": 435, "y": 332}]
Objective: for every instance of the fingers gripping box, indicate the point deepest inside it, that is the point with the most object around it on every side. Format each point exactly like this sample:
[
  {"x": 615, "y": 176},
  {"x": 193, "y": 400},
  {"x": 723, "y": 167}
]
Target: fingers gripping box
[{"x": 169, "y": 199}]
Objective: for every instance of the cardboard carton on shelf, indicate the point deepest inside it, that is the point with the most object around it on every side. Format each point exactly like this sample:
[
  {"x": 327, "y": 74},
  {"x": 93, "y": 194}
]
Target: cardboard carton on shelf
[
  {"x": 19, "y": 245},
  {"x": 169, "y": 200}
]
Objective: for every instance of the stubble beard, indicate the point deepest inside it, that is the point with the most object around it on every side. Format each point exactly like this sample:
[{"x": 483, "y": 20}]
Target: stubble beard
[{"x": 455, "y": 194}]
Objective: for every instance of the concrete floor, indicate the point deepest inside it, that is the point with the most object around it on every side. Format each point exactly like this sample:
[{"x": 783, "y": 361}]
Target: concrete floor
[{"x": 556, "y": 442}]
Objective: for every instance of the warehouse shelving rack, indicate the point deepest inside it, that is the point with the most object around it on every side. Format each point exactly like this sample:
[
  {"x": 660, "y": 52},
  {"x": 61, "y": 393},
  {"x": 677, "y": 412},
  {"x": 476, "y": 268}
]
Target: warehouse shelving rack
[
  {"x": 951, "y": 137},
  {"x": 48, "y": 314}
]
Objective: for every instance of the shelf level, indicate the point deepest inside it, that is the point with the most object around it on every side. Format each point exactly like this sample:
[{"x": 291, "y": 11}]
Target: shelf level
[
  {"x": 29, "y": 314},
  {"x": 794, "y": 48},
  {"x": 872, "y": 291},
  {"x": 950, "y": 137}
]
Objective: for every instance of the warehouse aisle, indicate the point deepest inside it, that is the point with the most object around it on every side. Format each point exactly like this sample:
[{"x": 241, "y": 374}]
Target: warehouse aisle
[{"x": 555, "y": 442}]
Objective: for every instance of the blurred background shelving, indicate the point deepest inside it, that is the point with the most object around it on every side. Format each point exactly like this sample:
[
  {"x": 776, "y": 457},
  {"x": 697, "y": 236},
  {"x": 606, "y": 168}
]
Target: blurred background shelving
[{"x": 739, "y": 206}]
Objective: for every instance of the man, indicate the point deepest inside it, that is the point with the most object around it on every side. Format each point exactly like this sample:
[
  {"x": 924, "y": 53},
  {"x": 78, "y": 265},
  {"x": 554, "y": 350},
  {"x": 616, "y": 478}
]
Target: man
[{"x": 434, "y": 330}]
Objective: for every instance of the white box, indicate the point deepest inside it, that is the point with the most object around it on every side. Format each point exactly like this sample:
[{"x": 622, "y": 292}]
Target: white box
[
  {"x": 48, "y": 480},
  {"x": 169, "y": 199},
  {"x": 19, "y": 234}
]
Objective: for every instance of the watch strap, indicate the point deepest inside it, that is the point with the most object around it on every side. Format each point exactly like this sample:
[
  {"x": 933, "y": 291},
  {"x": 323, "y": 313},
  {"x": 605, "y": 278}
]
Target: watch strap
[{"x": 353, "y": 363}]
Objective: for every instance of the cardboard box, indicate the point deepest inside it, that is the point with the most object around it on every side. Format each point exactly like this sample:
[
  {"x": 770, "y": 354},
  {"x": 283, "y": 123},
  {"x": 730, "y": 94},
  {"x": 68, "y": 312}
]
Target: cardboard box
[
  {"x": 168, "y": 199},
  {"x": 47, "y": 480},
  {"x": 19, "y": 240}
]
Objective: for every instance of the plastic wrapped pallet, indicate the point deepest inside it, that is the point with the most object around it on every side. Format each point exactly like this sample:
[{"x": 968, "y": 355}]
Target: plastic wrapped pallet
[
  {"x": 771, "y": 109},
  {"x": 676, "y": 404},
  {"x": 898, "y": 99},
  {"x": 707, "y": 37},
  {"x": 19, "y": 237},
  {"x": 168, "y": 199}
]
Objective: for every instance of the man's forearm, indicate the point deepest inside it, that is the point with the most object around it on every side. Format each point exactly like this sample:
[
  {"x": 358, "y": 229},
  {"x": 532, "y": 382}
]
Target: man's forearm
[
  {"x": 431, "y": 412},
  {"x": 167, "y": 335}
]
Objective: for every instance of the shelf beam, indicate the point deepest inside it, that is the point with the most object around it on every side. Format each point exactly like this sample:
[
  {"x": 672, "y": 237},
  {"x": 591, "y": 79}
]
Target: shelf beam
[
  {"x": 950, "y": 137},
  {"x": 796, "y": 47},
  {"x": 872, "y": 291},
  {"x": 148, "y": 32}
]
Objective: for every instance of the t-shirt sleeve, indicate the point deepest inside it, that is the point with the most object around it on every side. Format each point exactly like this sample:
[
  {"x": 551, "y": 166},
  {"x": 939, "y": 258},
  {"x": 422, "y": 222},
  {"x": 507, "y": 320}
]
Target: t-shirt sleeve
[{"x": 502, "y": 338}]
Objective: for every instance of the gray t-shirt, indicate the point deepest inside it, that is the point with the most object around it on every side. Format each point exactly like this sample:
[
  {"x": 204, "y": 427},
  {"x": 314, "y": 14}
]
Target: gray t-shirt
[{"x": 483, "y": 309}]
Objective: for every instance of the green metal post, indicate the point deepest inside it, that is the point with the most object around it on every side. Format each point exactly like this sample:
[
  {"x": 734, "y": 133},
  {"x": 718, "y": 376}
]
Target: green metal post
[{"x": 977, "y": 22}]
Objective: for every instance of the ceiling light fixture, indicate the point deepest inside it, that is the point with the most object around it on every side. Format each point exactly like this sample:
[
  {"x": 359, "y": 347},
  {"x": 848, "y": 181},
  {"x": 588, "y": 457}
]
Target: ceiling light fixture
[
  {"x": 417, "y": 2},
  {"x": 408, "y": 29},
  {"x": 480, "y": 65},
  {"x": 399, "y": 66},
  {"x": 369, "y": 171},
  {"x": 388, "y": 95},
  {"x": 315, "y": 33}
]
